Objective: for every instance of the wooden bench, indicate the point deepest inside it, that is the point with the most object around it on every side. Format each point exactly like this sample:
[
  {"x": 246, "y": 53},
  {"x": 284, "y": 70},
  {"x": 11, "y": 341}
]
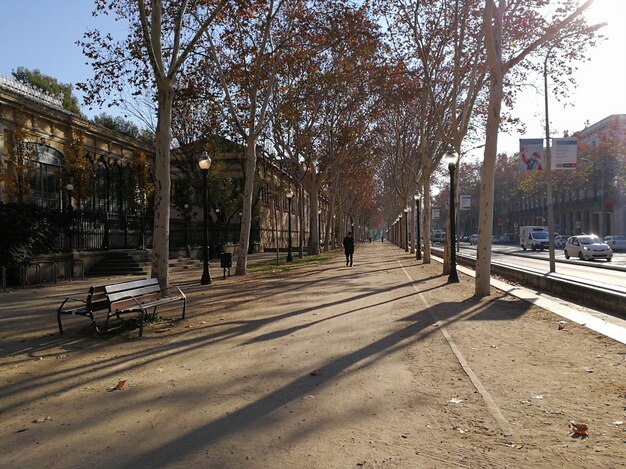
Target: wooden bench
[
  {"x": 138, "y": 297},
  {"x": 135, "y": 296}
]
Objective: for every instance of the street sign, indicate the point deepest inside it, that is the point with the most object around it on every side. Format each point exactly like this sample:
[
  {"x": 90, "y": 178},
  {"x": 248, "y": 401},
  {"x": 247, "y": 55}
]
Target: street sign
[{"x": 565, "y": 153}]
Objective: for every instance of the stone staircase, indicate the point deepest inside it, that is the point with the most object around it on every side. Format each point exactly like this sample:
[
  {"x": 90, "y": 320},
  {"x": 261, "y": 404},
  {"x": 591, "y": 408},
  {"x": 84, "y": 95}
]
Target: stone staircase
[
  {"x": 136, "y": 263},
  {"x": 122, "y": 263}
]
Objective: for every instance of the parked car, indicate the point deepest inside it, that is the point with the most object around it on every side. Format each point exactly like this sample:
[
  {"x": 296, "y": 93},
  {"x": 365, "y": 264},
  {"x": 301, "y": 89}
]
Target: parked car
[
  {"x": 474, "y": 239},
  {"x": 616, "y": 242},
  {"x": 560, "y": 241},
  {"x": 587, "y": 247},
  {"x": 509, "y": 238}
]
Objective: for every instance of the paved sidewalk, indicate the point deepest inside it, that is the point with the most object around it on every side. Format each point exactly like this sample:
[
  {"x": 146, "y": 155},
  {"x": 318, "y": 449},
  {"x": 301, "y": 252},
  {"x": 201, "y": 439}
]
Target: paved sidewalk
[{"x": 378, "y": 365}]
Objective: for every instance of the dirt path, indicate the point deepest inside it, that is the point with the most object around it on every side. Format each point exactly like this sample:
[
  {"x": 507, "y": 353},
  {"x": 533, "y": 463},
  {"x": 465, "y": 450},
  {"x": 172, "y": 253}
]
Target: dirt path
[{"x": 378, "y": 365}]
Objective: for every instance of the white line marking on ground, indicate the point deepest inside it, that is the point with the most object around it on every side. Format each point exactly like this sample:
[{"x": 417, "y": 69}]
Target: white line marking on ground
[{"x": 491, "y": 405}]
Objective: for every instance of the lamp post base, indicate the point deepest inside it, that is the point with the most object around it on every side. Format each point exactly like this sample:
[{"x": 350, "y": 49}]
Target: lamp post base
[
  {"x": 453, "y": 277},
  {"x": 206, "y": 278}
]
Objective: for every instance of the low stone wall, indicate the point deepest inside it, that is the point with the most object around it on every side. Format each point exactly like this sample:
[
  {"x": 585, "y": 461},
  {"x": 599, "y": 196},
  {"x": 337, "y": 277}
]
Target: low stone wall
[{"x": 587, "y": 295}]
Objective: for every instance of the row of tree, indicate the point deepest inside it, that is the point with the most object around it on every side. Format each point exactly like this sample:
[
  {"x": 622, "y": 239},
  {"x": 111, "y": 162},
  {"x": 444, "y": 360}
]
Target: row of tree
[{"x": 358, "y": 100}]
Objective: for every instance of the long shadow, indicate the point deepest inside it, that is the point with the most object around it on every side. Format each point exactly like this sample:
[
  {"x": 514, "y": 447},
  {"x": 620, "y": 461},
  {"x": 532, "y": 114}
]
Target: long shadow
[
  {"x": 299, "y": 387},
  {"x": 176, "y": 348},
  {"x": 291, "y": 330},
  {"x": 181, "y": 346}
]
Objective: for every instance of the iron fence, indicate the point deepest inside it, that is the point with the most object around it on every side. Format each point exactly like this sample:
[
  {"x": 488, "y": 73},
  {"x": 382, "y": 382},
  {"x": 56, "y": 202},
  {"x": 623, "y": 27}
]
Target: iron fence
[{"x": 98, "y": 231}]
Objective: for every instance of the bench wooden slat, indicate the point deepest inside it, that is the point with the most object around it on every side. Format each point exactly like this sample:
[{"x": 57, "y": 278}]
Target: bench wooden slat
[
  {"x": 117, "y": 287},
  {"x": 136, "y": 292}
]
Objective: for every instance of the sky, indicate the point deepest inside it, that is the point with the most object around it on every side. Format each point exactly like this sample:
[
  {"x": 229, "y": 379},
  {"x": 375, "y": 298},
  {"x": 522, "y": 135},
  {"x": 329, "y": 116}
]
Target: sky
[{"x": 41, "y": 34}]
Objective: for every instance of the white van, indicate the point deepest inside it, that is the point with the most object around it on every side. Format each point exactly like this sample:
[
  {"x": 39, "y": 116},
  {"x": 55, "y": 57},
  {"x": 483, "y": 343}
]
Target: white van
[
  {"x": 533, "y": 237},
  {"x": 438, "y": 236}
]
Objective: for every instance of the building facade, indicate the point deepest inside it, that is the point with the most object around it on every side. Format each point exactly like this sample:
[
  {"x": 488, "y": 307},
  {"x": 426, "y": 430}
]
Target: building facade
[{"x": 595, "y": 203}]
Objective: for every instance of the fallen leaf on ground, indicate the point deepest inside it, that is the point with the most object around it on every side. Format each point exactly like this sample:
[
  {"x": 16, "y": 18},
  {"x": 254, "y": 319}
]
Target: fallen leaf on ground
[
  {"x": 579, "y": 429},
  {"x": 119, "y": 386}
]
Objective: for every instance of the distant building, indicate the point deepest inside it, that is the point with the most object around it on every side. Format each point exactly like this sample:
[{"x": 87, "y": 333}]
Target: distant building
[
  {"x": 49, "y": 128},
  {"x": 599, "y": 205}
]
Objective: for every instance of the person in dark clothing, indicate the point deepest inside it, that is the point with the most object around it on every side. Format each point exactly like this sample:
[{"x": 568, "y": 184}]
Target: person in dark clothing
[{"x": 348, "y": 247}]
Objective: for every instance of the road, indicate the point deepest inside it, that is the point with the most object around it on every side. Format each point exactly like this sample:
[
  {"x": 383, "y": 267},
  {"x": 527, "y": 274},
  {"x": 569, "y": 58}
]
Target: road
[{"x": 610, "y": 275}]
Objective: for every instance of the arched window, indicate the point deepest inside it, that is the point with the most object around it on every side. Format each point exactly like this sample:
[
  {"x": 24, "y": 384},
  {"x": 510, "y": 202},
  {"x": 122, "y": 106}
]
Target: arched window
[
  {"x": 101, "y": 189},
  {"x": 115, "y": 188},
  {"x": 45, "y": 176}
]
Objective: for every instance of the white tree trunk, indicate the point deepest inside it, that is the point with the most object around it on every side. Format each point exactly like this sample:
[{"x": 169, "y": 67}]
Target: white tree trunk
[
  {"x": 427, "y": 213},
  {"x": 485, "y": 216},
  {"x": 161, "y": 228},
  {"x": 246, "y": 212}
]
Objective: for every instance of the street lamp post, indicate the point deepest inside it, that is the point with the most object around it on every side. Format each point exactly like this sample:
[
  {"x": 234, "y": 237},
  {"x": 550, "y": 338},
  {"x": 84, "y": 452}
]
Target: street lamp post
[
  {"x": 548, "y": 167},
  {"x": 319, "y": 227},
  {"x": 406, "y": 229},
  {"x": 205, "y": 164},
  {"x": 452, "y": 158},
  {"x": 217, "y": 231},
  {"x": 289, "y": 197},
  {"x": 187, "y": 234},
  {"x": 70, "y": 211},
  {"x": 418, "y": 238}
]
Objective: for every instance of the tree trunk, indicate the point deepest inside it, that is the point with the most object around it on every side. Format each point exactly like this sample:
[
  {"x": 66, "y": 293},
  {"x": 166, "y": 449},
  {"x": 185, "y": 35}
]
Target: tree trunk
[
  {"x": 161, "y": 229},
  {"x": 412, "y": 228},
  {"x": 300, "y": 222},
  {"x": 485, "y": 216},
  {"x": 246, "y": 212},
  {"x": 314, "y": 242},
  {"x": 427, "y": 210}
]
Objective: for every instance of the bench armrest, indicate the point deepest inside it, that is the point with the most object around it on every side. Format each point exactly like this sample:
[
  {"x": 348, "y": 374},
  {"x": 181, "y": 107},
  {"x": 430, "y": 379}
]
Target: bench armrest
[
  {"x": 176, "y": 287},
  {"x": 78, "y": 300}
]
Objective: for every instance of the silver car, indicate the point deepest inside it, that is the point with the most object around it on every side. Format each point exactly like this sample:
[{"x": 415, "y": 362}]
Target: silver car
[{"x": 587, "y": 247}]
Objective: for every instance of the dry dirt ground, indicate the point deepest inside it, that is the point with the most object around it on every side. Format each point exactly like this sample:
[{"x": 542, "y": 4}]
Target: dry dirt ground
[{"x": 378, "y": 365}]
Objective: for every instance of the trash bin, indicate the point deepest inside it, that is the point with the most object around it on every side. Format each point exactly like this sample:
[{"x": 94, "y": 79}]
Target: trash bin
[{"x": 226, "y": 260}]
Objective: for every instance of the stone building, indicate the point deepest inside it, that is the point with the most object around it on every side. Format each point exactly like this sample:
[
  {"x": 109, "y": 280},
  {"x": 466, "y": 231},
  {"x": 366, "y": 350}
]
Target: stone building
[{"x": 597, "y": 206}]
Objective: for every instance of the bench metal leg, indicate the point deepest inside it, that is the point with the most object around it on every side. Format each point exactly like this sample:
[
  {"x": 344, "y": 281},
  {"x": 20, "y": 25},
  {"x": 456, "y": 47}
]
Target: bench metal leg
[
  {"x": 59, "y": 320},
  {"x": 106, "y": 323},
  {"x": 141, "y": 315}
]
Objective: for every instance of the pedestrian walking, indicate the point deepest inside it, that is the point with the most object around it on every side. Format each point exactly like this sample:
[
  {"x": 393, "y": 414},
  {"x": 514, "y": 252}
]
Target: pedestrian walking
[{"x": 348, "y": 247}]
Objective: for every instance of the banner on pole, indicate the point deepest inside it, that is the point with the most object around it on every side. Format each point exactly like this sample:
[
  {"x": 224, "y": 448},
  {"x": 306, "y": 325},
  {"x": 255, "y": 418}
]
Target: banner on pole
[
  {"x": 531, "y": 153},
  {"x": 564, "y": 153}
]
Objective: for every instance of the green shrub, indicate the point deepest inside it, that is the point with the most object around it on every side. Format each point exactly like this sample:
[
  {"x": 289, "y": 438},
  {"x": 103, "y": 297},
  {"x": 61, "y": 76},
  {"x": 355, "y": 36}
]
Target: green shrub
[{"x": 25, "y": 232}]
